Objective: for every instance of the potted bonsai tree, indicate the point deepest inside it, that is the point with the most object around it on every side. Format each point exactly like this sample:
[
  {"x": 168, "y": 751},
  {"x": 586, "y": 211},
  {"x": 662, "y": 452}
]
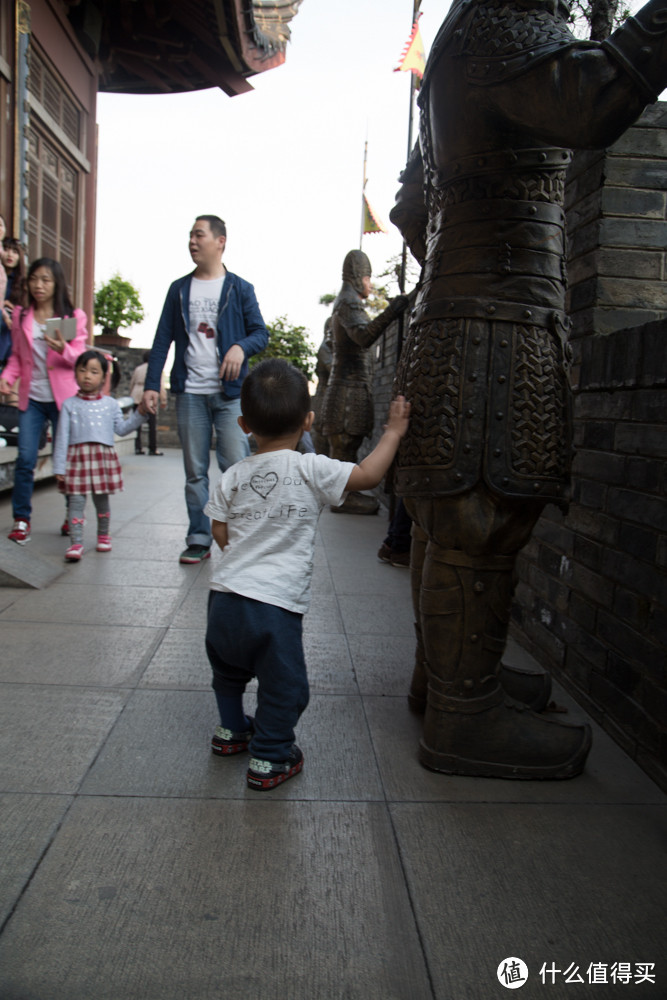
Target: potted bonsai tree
[{"x": 116, "y": 305}]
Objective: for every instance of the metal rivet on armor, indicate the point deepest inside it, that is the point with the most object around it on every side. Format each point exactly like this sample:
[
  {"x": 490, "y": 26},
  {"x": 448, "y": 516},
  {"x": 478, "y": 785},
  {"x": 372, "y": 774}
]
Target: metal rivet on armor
[
  {"x": 478, "y": 587},
  {"x": 451, "y": 305},
  {"x": 470, "y": 413},
  {"x": 468, "y": 684},
  {"x": 536, "y": 487},
  {"x": 502, "y": 379},
  {"x": 646, "y": 52},
  {"x": 490, "y": 310},
  {"x": 505, "y": 481},
  {"x": 499, "y": 414},
  {"x": 474, "y": 637},
  {"x": 477, "y": 341},
  {"x": 506, "y": 269},
  {"x": 527, "y": 314},
  {"x": 466, "y": 449},
  {"x": 497, "y": 452},
  {"x": 503, "y": 343},
  {"x": 503, "y": 65},
  {"x": 472, "y": 377},
  {"x": 532, "y": 210},
  {"x": 458, "y": 477},
  {"x": 542, "y": 157}
]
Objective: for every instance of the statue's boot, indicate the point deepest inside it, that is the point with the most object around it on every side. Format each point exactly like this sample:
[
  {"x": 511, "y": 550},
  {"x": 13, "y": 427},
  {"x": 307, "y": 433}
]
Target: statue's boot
[
  {"x": 529, "y": 685},
  {"x": 358, "y": 503},
  {"x": 470, "y": 726}
]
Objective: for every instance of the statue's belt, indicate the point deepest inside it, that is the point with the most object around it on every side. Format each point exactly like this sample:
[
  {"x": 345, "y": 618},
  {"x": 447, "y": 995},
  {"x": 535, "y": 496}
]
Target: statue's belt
[
  {"x": 501, "y": 162},
  {"x": 498, "y": 311}
]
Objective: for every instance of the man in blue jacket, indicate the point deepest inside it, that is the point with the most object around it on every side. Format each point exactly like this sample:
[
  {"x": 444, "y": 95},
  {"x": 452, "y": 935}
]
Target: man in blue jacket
[{"x": 213, "y": 319}]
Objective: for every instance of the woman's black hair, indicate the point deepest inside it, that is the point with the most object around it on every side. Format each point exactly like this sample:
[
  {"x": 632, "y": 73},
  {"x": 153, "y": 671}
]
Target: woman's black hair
[
  {"x": 17, "y": 293},
  {"x": 92, "y": 355},
  {"x": 62, "y": 305},
  {"x": 274, "y": 398}
]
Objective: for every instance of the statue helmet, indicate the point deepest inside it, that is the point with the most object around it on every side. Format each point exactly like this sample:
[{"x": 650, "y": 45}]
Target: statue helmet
[{"x": 355, "y": 267}]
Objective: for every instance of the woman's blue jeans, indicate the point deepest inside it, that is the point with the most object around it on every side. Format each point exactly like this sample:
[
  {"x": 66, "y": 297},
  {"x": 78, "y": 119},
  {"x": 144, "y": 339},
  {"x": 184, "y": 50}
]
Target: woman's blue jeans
[
  {"x": 31, "y": 424},
  {"x": 197, "y": 417}
]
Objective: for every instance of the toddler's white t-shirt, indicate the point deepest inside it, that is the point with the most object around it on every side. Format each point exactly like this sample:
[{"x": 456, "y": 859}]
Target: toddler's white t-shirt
[{"x": 271, "y": 504}]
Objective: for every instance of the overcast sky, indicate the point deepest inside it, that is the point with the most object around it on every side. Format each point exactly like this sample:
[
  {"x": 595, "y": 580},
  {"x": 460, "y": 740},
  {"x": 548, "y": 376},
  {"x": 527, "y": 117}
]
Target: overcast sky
[{"x": 283, "y": 166}]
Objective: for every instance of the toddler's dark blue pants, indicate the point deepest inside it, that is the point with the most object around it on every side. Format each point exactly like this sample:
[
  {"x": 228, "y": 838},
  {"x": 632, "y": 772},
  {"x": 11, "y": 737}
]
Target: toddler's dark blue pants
[{"x": 247, "y": 639}]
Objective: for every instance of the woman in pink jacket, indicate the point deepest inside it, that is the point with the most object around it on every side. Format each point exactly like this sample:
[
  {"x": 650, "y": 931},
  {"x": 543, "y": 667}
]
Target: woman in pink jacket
[{"x": 45, "y": 365}]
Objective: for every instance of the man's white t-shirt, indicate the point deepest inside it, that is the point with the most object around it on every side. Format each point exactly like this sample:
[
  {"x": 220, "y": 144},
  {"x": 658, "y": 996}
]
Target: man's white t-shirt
[
  {"x": 201, "y": 356},
  {"x": 271, "y": 504}
]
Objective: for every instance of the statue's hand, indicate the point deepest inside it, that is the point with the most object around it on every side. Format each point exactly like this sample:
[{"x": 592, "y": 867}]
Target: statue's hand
[{"x": 399, "y": 304}]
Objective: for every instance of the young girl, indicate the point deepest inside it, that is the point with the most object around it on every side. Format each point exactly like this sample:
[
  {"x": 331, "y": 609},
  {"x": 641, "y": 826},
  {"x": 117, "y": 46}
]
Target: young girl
[
  {"x": 45, "y": 366},
  {"x": 84, "y": 458}
]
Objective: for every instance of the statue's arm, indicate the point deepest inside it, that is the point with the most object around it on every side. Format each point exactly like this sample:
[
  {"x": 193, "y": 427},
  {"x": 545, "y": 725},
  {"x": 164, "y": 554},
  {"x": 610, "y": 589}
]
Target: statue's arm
[
  {"x": 587, "y": 94},
  {"x": 363, "y": 331},
  {"x": 409, "y": 214}
]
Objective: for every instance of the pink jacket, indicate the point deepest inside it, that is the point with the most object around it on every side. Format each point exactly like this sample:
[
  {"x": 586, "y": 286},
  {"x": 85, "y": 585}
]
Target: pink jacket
[{"x": 60, "y": 367}]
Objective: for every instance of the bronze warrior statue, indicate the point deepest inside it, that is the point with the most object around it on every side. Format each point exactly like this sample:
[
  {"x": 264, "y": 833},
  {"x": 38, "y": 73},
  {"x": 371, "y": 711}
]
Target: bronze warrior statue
[
  {"x": 507, "y": 92},
  {"x": 347, "y": 412},
  {"x": 322, "y": 371}
]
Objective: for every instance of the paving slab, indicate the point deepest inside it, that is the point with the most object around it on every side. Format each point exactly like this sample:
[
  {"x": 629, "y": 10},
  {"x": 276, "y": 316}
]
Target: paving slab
[
  {"x": 21, "y": 566},
  {"x": 102, "y": 655},
  {"x": 173, "y": 899},
  {"x": 29, "y": 823},
  {"x": 96, "y": 604},
  {"x": 540, "y": 883},
  {"x": 161, "y": 746},
  {"x": 49, "y": 736}
]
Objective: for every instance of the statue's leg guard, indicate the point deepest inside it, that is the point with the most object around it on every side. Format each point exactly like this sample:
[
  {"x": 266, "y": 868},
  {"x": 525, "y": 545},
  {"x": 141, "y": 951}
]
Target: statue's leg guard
[
  {"x": 531, "y": 686},
  {"x": 470, "y": 727},
  {"x": 419, "y": 683}
]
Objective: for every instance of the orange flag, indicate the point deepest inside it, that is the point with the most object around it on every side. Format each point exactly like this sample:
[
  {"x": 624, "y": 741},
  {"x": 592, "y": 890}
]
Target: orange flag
[
  {"x": 372, "y": 223},
  {"x": 412, "y": 57}
]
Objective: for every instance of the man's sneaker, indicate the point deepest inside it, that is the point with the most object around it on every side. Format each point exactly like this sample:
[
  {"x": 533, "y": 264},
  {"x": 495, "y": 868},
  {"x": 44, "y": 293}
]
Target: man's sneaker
[
  {"x": 225, "y": 741},
  {"x": 104, "y": 543},
  {"x": 265, "y": 774},
  {"x": 64, "y": 528},
  {"x": 400, "y": 559},
  {"x": 384, "y": 553},
  {"x": 195, "y": 554},
  {"x": 20, "y": 533}
]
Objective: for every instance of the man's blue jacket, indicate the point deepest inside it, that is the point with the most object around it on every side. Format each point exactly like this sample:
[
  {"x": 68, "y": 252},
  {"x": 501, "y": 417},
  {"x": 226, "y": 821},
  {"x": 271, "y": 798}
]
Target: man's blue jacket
[{"x": 239, "y": 322}]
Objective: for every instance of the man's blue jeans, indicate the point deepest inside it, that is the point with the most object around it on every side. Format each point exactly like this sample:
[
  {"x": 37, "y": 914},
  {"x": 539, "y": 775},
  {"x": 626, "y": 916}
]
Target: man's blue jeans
[
  {"x": 31, "y": 424},
  {"x": 197, "y": 416}
]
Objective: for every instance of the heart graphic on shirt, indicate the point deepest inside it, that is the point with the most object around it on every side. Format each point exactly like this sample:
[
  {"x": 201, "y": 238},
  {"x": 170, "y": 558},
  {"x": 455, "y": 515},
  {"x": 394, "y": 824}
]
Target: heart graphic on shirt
[{"x": 264, "y": 484}]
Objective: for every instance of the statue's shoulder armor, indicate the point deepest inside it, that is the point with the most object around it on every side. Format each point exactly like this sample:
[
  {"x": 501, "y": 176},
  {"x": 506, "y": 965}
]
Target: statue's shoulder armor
[
  {"x": 348, "y": 308},
  {"x": 500, "y": 40}
]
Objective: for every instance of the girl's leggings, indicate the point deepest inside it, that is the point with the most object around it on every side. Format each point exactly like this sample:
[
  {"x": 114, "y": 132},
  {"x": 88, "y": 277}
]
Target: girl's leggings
[{"x": 77, "y": 505}]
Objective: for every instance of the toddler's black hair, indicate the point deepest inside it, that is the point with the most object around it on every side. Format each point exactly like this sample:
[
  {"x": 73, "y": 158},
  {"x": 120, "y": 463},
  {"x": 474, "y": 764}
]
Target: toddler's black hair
[
  {"x": 91, "y": 355},
  {"x": 274, "y": 398}
]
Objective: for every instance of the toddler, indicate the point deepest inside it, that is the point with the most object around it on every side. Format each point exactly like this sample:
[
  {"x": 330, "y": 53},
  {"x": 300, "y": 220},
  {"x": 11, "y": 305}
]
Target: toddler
[
  {"x": 264, "y": 515},
  {"x": 84, "y": 458}
]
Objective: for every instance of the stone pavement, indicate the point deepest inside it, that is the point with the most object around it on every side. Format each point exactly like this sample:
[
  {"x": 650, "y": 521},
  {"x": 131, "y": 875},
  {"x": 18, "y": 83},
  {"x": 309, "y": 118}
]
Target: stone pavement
[{"x": 134, "y": 865}]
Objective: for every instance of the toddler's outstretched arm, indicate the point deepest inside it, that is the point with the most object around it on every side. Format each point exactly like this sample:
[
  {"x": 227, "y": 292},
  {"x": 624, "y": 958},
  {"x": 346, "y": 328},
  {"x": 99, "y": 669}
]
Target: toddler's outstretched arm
[{"x": 370, "y": 471}]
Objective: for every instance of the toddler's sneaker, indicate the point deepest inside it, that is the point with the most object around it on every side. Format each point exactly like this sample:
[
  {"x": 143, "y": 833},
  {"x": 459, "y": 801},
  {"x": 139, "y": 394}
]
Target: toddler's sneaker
[
  {"x": 225, "y": 741},
  {"x": 74, "y": 553},
  {"x": 104, "y": 543},
  {"x": 20, "y": 533},
  {"x": 265, "y": 774}
]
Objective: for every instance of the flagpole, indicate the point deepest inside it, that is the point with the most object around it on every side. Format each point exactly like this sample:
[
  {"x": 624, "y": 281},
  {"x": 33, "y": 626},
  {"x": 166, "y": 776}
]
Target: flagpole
[{"x": 363, "y": 189}]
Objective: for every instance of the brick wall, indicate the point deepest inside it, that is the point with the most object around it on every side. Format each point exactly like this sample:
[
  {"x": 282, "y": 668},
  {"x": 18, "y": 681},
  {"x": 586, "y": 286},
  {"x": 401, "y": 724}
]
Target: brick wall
[{"x": 591, "y": 602}]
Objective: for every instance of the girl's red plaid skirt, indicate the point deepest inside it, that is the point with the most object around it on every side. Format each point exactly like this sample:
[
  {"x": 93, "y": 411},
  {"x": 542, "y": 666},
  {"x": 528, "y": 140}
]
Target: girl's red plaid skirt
[{"x": 92, "y": 468}]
